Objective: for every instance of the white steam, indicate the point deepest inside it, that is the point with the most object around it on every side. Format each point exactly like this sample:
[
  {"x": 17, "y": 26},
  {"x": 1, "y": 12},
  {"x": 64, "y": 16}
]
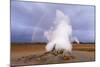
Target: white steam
[{"x": 60, "y": 35}]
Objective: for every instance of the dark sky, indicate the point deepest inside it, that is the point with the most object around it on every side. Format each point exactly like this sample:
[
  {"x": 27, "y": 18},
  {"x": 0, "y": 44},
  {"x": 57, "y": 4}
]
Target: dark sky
[{"x": 28, "y": 18}]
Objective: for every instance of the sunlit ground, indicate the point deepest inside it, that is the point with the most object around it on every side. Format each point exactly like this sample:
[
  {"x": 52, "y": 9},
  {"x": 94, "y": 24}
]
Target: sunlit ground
[{"x": 24, "y": 54}]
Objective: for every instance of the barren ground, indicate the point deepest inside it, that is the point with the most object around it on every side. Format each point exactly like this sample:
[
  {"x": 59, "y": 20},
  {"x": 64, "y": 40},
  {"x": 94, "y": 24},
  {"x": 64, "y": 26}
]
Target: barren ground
[{"x": 26, "y": 54}]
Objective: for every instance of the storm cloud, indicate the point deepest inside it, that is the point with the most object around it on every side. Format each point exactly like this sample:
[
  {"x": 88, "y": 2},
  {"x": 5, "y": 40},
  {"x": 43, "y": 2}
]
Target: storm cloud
[{"x": 30, "y": 20}]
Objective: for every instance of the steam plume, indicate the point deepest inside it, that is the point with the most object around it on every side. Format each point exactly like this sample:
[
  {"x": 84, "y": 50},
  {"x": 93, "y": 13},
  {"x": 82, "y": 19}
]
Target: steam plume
[{"x": 60, "y": 35}]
